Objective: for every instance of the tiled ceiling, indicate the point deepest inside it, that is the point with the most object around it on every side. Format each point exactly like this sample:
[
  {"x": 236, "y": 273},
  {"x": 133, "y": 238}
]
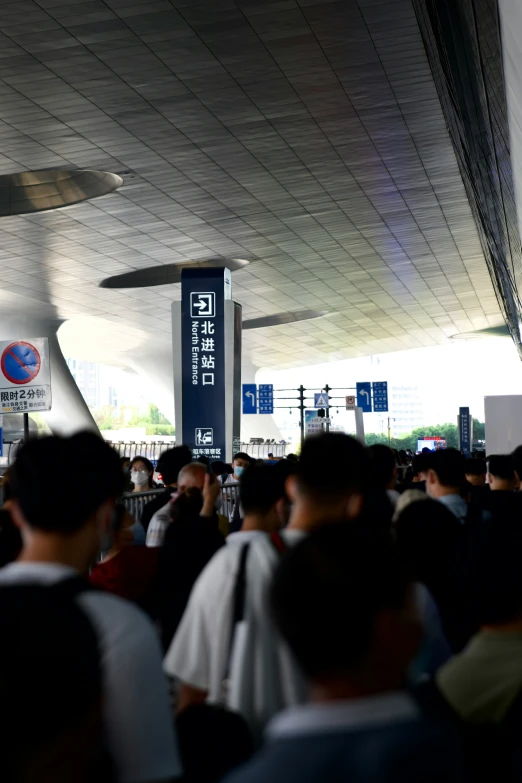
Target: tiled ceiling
[{"x": 303, "y": 135}]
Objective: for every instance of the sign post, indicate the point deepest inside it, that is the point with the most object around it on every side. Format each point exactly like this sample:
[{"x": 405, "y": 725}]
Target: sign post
[
  {"x": 207, "y": 363},
  {"x": 465, "y": 431}
]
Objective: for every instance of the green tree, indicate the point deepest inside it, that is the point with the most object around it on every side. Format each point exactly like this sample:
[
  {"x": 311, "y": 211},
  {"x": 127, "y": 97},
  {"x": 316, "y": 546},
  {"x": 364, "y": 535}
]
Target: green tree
[{"x": 479, "y": 430}]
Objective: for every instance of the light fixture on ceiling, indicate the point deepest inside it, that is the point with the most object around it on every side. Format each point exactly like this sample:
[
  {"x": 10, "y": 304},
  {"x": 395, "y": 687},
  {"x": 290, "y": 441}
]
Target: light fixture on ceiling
[
  {"x": 283, "y": 318},
  {"x": 167, "y": 274},
  {"x": 479, "y": 334},
  {"x": 37, "y": 191}
]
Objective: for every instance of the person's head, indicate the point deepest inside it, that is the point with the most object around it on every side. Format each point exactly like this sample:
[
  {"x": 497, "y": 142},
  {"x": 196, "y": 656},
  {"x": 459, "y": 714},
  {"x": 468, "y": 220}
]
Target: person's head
[
  {"x": 171, "y": 462},
  {"x": 218, "y": 467},
  {"x": 207, "y": 751},
  {"x": 426, "y": 451},
  {"x": 501, "y": 473},
  {"x": 240, "y": 463},
  {"x": 125, "y": 465},
  {"x": 142, "y": 471},
  {"x": 263, "y": 498},
  {"x": 517, "y": 464},
  {"x": 427, "y": 534},
  {"x": 121, "y": 533},
  {"x": 419, "y": 466},
  {"x": 475, "y": 471},
  {"x": 187, "y": 505},
  {"x": 329, "y": 480},
  {"x": 445, "y": 473},
  {"x": 499, "y": 576},
  {"x": 52, "y": 517},
  {"x": 340, "y": 571},
  {"x": 382, "y": 467},
  {"x": 192, "y": 476},
  {"x": 405, "y": 499}
]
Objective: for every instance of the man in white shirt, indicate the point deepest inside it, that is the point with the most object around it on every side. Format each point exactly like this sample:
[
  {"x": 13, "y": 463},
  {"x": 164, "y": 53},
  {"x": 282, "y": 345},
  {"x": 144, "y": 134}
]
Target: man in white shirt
[
  {"x": 192, "y": 475},
  {"x": 326, "y": 489},
  {"x": 199, "y": 653},
  {"x": 346, "y": 609},
  {"x": 62, "y": 535}
]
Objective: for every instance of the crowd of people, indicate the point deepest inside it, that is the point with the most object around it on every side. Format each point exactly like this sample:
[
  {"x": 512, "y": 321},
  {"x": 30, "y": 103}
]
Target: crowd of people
[{"x": 355, "y": 615}]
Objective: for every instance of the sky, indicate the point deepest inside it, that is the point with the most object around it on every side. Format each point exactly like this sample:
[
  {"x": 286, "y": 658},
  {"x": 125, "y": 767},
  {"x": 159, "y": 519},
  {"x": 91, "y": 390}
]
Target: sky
[
  {"x": 459, "y": 374},
  {"x": 448, "y": 376}
]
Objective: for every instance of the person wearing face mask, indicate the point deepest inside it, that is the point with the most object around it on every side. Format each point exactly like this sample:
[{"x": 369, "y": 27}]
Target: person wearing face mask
[
  {"x": 128, "y": 568},
  {"x": 240, "y": 463},
  {"x": 141, "y": 474}
]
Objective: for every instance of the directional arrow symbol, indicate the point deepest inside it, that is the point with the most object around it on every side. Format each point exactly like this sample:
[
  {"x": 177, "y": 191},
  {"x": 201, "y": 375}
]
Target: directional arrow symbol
[
  {"x": 251, "y": 395},
  {"x": 367, "y": 396}
]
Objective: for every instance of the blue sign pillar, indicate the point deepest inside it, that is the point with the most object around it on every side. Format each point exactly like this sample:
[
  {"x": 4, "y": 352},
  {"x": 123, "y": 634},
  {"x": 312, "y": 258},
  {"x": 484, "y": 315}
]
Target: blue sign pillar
[
  {"x": 465, "y": 431},
  {"x": 207, "y": 363}
]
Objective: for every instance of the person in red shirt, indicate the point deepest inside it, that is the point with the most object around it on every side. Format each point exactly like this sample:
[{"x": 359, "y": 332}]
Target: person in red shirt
[{"x": 126, "y": 570}]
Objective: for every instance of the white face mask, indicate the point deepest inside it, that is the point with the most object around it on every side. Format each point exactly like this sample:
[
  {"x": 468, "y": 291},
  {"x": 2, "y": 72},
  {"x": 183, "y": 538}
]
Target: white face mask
[{"x": 139, "y": 477}]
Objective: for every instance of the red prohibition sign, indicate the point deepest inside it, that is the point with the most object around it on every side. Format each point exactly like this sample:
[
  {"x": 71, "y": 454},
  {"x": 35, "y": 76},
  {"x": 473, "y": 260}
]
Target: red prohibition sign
[{"x": 20, "y": 363}]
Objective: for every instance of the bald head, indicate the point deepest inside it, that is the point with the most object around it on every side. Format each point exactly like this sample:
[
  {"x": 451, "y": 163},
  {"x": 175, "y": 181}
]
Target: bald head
[{"x": 192, "y": 475}]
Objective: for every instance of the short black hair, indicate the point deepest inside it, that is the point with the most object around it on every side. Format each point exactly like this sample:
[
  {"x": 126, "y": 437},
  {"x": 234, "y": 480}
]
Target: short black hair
[
  {"x": 517, "y": 460},
  {"x": 123, "y": 460},
  {"x": 171, "y": 462},
  {"x": 339, "y": 570},
  {"x": 218, "y": 467},
  {"x": 241, "y": 455},
  {"x": 381, "y": 466},
  {"x": 332, "y": 466},
  {"x": 51, "y": 504},
  {"x": 449, "y": 465},
  {"x": 475, "y": 467},
  {"x": 148, "y": 464},
  {"x": 419, "y": 464},
  {"x": 501, "y": 466},
  {"x": 260, "y": 488}
]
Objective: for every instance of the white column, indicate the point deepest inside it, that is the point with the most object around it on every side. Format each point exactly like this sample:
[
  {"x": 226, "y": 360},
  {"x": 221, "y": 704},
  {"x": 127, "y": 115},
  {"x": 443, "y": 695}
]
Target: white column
[{"x": 256, "y": 425}]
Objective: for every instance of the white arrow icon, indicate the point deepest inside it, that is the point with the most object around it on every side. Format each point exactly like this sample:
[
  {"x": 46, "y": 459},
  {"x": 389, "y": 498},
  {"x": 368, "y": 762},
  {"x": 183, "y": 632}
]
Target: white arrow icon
[
  {"x": 367, "y": 396},
  {"x": 252, "y": 396}
]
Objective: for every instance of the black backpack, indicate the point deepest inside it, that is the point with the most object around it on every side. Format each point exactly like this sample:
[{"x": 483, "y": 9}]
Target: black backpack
[{"x": 50, "y": 687}]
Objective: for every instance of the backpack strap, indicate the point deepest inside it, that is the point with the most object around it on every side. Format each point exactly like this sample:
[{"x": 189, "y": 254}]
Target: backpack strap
[
  {"x": 238, "y": 607},
  {"x": 278, "y": 543}
]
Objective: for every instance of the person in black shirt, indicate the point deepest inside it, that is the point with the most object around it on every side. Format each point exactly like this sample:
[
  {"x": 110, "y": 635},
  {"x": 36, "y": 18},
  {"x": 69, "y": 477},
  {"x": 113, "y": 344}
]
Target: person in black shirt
[{"x": 169, "y": 465}]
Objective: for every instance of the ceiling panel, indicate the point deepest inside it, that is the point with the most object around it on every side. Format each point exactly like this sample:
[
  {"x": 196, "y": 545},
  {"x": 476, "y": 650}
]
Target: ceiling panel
[{"x": 306, "y": 137}]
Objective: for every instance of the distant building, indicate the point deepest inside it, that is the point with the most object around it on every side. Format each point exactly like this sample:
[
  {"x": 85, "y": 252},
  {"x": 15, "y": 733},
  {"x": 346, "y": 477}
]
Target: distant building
[
  {"x": 87, "y": 377},
  {"x": 406, "y": 409}
]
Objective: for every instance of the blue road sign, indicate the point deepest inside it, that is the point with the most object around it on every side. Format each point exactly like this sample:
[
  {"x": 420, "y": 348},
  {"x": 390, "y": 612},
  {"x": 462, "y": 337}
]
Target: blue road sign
[
  {"x": 20, "y": 363},
  {"x": 380, "y": 396},
  {"x": 321, "y": 400},
  {"x": 266, "y": 398},
  {"x": 364, "y": 396},
  {"x": 249, "y": 398}
]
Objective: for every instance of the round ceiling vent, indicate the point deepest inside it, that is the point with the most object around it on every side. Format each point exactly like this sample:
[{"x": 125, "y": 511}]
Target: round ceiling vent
[
  {"x": 167, "y": 273},
  {"x": 36, "y": 191}
]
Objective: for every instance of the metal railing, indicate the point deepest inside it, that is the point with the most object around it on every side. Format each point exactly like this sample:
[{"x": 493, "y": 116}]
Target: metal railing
[
  {"x": 153, "y": 449},
  {"x": 135, "y": 502}
]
